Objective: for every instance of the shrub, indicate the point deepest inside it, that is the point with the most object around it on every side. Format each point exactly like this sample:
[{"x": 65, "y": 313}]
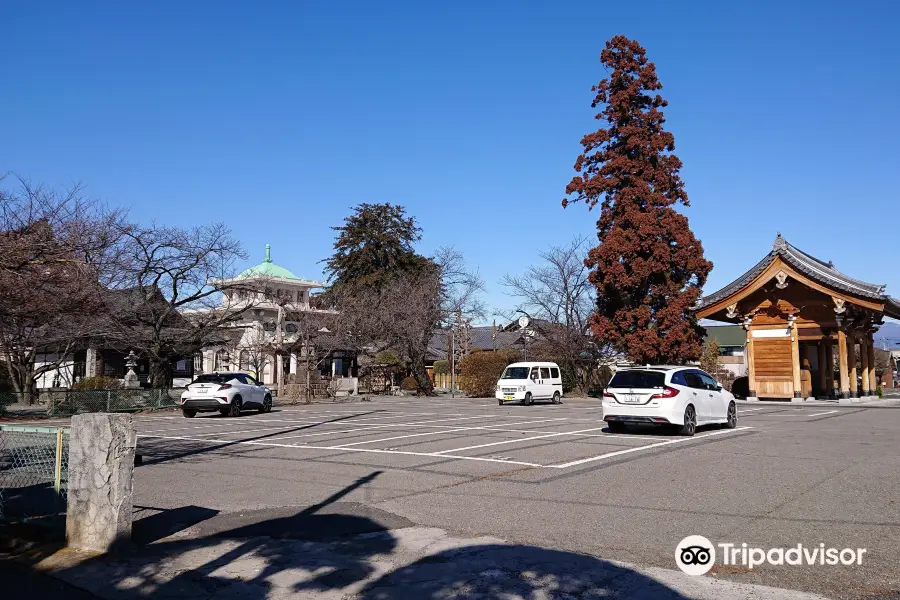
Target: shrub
[
  {"x": 100, "y": 382},
  {"x": 879, "y": 391},
  {"x": 442, "y": 367},
  {"x": 387, "y": 357},
  {"x": 479, "y": 372},
  {"x": 409, "y": 384}
]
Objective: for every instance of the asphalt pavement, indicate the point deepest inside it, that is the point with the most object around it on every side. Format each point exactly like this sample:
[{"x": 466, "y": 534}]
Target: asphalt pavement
[{"x": 551, "y": 476}]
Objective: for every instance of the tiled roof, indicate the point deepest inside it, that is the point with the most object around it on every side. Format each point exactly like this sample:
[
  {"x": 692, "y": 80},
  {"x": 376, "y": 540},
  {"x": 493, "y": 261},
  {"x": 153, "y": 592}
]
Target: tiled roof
[
  {"x": 814, "y": 268},
  {"x": 481, "y": 340}
]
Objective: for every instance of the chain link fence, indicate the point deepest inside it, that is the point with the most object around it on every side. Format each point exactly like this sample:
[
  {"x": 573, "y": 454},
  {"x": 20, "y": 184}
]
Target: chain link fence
[
  {"x": 33, "y": 472},
  {"x": 86, "y": 401},
  {"x": 62, "y": 403}
]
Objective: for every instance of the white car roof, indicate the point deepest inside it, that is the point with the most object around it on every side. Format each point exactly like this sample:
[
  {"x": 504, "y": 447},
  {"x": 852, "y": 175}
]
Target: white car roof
[{"x": 533, "y": 364}]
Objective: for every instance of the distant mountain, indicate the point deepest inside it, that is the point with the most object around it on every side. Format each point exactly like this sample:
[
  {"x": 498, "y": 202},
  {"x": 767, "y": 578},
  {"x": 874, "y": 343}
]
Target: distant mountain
[{"x": 888, "y": 334}]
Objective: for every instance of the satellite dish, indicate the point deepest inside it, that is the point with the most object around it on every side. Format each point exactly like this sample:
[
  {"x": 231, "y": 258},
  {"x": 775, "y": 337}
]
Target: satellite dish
[{"x": 523, "y": 322}]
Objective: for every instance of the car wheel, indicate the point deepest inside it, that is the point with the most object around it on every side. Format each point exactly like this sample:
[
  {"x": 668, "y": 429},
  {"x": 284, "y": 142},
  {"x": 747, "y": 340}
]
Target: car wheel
[
  {"x": 731, "y": 423},
  {"x": 234, "y": 410},
  {"x": 529, "y": 400},
  {"x": 266, "y": 405},
  {"x": 556, "y": 398},
  {"x": 690, "y": 421},
  {"x": 616, "y": 426},
  {"x": 189, "y": 414},
  {"x": 501, "y": 402}
]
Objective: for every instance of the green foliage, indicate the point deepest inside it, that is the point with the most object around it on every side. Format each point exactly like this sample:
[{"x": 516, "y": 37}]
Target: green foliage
[
  {"x": 387, "y": 357},
  {"x": 442, "y": 367},
  {"x": 409, "y": 384},
  {"x": 373, "y": 245},
  {"x": 879, "y": 391},
  {"x": 479, "y": 372},
  {"x": 567, "y": 372},
  {"x": 100, "y": 382}
]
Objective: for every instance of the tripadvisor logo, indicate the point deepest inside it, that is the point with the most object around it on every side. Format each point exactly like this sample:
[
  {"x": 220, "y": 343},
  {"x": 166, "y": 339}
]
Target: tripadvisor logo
[{"x": 696, "y": 555}]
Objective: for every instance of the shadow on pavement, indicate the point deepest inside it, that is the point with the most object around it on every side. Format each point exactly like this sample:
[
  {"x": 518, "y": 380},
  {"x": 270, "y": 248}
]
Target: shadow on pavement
[
  {"x": 338, "y": 549},
  {"x": 207, "y": 448}
]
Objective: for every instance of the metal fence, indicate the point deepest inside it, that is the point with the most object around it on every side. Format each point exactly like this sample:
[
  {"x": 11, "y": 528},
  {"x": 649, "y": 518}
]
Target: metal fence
[
  {"x": 33, "y": 472},
  {"x": 86, "y": 401},
  {"x": 71, "y": 402}
]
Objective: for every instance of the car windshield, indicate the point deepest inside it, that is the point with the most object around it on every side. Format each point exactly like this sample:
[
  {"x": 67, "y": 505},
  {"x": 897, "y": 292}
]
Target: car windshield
[
  {"x": 515, "y": 373},
  {"x": 213, "y": 378},
  {"x": 638, "y": 379}
]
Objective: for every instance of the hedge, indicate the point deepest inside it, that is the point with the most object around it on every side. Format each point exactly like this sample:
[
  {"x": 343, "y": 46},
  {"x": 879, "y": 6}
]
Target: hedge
[{"x": 479, "y": 372}]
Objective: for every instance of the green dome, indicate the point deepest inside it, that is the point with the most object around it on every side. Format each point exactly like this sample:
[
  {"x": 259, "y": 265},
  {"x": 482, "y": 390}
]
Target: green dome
[{"x": 267, "y": 269}]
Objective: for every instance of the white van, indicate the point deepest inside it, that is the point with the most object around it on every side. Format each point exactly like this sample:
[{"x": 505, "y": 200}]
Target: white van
[{"x": 529, "y": 381}]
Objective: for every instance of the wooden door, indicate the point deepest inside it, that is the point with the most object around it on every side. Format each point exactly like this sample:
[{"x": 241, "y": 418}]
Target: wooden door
[{"x": 773, "y": 368}]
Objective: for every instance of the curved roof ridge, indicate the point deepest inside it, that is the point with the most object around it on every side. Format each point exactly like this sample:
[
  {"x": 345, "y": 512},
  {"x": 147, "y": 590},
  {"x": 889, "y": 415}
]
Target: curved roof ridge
[
  {"x": 807, "y": 261},
  {"x": 822, "y": 271}
]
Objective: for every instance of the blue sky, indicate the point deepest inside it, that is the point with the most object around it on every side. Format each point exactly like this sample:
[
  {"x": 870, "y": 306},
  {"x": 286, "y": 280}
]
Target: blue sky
[{"x": 277, "y": 117}]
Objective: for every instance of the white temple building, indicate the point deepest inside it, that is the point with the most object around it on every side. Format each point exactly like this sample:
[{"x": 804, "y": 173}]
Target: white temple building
[{"x": 274, "y": 320}]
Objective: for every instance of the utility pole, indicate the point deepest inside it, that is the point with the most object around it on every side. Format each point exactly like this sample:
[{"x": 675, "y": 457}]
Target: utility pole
[{"x": 452, "y": 363}]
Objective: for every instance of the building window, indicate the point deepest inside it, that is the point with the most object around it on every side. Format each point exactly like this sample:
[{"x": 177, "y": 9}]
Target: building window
[
  {"x": 221, "y": 360},
  {"x": 198, "y": 363},
  {"x": 244, "y": 360},
  {"x": 291, "y": 328},
  {"x": 269, "y": 326}
]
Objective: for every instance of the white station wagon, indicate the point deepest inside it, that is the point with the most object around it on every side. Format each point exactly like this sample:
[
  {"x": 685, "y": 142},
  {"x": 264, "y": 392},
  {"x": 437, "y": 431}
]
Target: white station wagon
[{"x": 685, "y": 397}]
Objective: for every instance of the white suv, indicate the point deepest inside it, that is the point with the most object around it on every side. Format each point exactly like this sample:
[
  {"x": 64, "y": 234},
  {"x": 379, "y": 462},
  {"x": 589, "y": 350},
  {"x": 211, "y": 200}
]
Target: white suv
[
  {"x": 227, "y": 393},
  {"x": 683, "y": 396}
]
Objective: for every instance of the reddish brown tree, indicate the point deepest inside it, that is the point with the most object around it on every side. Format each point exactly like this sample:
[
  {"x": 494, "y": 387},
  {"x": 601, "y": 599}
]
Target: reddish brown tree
[{"x": 649, "y": 267}]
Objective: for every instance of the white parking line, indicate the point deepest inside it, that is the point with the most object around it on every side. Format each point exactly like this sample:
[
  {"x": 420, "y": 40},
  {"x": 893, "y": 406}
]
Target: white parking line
[
  {"x": 746, "y": 410},
  {"x": 830, "y": 412},
  {"x": 371, "y": 450},
  {"x": 638, "y": 448},
  {"x": 515, "y": 441}
]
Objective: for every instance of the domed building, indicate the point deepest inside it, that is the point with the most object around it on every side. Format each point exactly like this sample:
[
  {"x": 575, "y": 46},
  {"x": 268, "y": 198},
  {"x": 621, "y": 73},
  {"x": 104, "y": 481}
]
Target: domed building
[{"x": 277, "y": 316}]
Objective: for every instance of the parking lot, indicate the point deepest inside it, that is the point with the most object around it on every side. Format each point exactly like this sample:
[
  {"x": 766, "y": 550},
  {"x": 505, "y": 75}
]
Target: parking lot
[{"x": 554, "y": 476}]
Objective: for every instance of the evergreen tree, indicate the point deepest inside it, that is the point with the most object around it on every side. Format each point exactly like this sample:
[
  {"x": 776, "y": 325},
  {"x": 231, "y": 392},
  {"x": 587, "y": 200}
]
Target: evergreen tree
[{"x": 648, "y": 268}]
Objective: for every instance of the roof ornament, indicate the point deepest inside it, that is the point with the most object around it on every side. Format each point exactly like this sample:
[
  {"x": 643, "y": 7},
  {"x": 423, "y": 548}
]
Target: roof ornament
[
  {"x": 781, "y": 276},
  {"x": 779, "y": 244},
  {"x": 839, "y": 307},
  {"x": 268, "y": 257},
  {"x": 732, "y": 311}
]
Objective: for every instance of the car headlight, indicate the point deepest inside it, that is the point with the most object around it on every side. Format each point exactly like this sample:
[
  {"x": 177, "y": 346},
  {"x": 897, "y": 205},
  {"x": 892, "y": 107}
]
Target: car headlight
[{"x": 521, "y": 388}]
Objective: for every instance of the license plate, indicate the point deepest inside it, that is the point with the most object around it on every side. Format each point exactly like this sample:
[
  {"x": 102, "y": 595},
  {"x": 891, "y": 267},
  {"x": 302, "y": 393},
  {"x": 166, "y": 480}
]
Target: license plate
[
  {"x": 631, "y": 399},
  {"x": 507, "y": 397}
]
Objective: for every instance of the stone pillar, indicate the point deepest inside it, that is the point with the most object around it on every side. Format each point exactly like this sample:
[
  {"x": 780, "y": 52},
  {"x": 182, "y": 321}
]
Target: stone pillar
[
  {"x": 864, "y": 367},
  {"x": 90, "y": 362},
  {"x": 101, "y": 481},
  {"x": 823, "y": 368},
  {"x": 873, "y": 380},
  {"x": 851, "y": 366},
  {"x": 842, "y": 358}
]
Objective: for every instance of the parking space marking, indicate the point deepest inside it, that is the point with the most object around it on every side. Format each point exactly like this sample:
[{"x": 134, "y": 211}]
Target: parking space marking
[
  {"x": 830, "y": 412},
  {"x": 369, "y": 450},
  {"x": 582, "y": 461},
  {"x": 515, "y": 441},
  {"x": 746, "y": 410}
]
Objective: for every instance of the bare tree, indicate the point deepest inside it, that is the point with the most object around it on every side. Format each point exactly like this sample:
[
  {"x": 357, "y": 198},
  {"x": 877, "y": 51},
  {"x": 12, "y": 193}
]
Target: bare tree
[
  {"x": 56, "y": 254},
  {"x": 559, "y": 301},
  {"x": 178, "y": 294}
]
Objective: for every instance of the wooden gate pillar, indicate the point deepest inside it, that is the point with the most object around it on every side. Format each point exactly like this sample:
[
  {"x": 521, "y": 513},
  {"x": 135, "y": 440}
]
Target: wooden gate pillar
[
  {"x": 864, "y": 366},
  {"x": 842, "y": 358},
  {"x": 851, "y": 365},
  {"x": 823, "y": 371}
]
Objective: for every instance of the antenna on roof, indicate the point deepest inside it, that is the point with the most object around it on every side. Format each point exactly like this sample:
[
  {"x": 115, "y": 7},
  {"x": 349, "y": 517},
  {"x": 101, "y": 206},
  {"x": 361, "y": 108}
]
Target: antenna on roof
[{"x": 268, "y": 257}]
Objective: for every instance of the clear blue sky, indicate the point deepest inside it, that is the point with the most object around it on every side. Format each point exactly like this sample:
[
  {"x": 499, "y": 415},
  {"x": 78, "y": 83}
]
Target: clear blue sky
[{"x": 279, "y": 116}]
